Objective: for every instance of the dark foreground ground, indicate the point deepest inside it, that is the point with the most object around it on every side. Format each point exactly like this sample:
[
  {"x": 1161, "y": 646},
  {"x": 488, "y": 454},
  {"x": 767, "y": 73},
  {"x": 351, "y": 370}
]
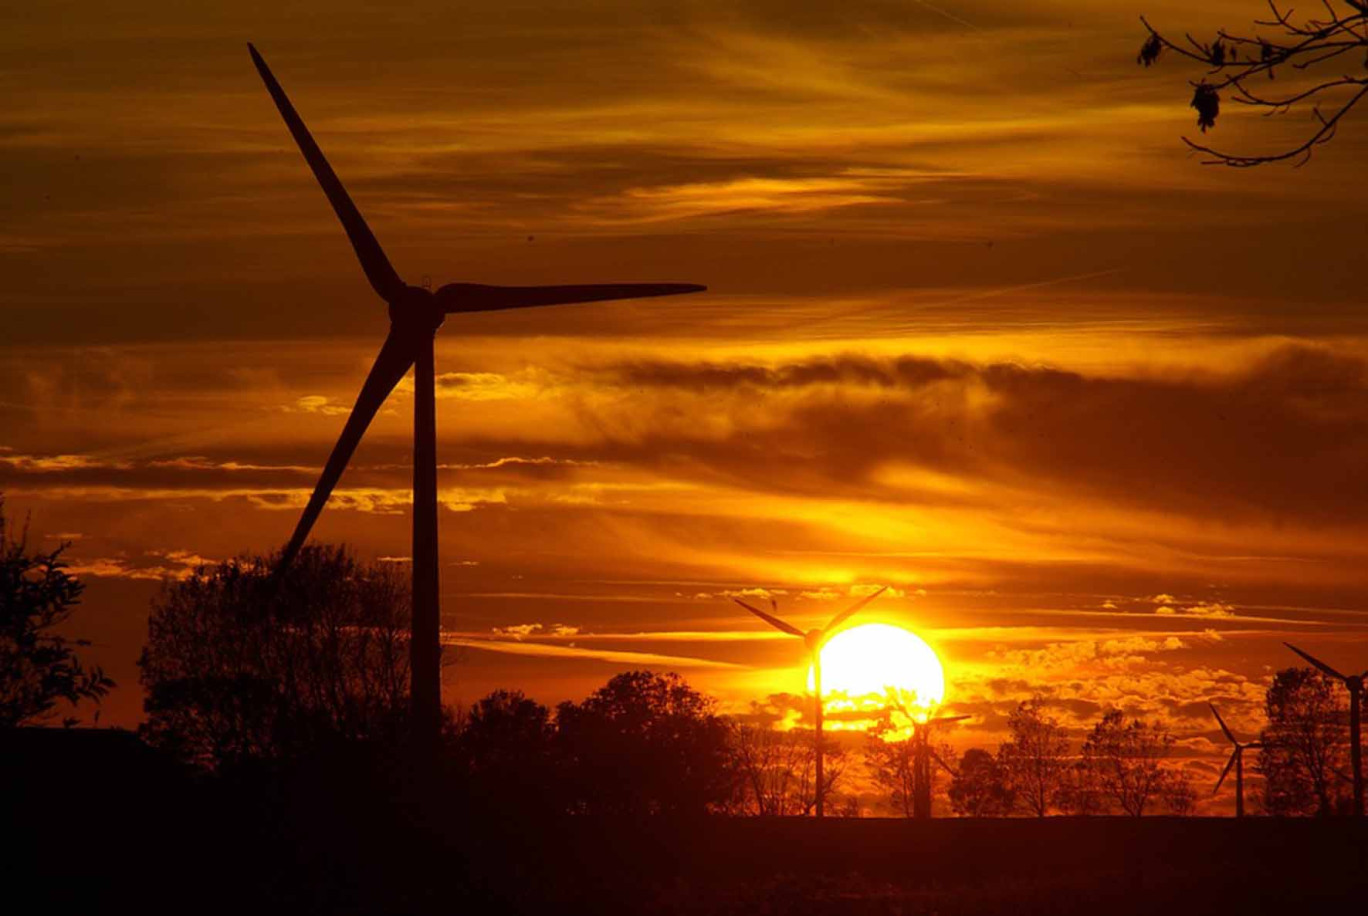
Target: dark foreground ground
[{"x": 142, "y": 839}]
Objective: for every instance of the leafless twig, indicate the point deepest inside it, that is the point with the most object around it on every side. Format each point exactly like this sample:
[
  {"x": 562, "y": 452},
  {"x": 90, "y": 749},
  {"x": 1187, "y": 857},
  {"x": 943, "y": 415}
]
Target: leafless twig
[{"x": 1234, "y": 62}]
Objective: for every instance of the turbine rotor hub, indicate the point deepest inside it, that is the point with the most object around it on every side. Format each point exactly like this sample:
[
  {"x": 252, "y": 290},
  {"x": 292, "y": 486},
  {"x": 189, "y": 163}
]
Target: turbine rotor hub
[{"x": 416, "y": 311}]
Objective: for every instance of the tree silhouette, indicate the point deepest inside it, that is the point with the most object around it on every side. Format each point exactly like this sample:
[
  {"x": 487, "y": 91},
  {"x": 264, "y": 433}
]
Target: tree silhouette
[
  {"x": 1035, "y": 759},
  {"x": 906, "y": 768},
  {"x": 644, "y": 743},
  {"x": 38, "y": 667},
  {"x": 1180, "y": 795},
  {"x": 774, "y": 770},
  {"x": 1243, "y": 67},
  {"x": 1305, "y": 746},
  {"x": 505, "y": 746},
  {"x": 980, "y": 788},
  {"x": 245, "y": 662},
  {"x": 1080, "y": 794},
  {"x": 893, "y": 764},
  {"x": 1122, "y": 761}
]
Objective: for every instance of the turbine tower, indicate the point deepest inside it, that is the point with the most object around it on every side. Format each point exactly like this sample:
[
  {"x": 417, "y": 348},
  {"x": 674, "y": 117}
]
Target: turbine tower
[
  {"x": 415, "y": 314},
  {"x": 813, "y": 639},
  {"x": 1236, "y": 760},
  {"x": 1354, "y": 684},
  {"x": 923, "y": 755}
]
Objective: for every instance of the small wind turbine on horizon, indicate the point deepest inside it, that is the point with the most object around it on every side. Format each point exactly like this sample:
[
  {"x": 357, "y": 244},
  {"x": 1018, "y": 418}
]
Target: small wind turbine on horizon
[
  {"x": 1236, "y": 760},
  {"x": 923, "y": 754},
  {"x": 1354, "y": 684},
  {"x": 415, "y": 314},
  {"x": 813, "y": 639}
]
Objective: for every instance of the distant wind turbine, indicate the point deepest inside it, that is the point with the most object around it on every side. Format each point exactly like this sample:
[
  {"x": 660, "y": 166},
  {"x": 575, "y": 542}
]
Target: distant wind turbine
[
  {"x": 1237, "y": 761},
  {"x": 923, "y": 754},
  {"x": 1354, "y": 684},
  {"x": 813, "y": 639},
  {"x": 415, "y": 315}
]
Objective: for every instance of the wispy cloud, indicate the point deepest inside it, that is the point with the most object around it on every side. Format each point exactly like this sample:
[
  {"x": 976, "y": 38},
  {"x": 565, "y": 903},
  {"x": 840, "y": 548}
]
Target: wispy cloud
[
  {"x": 316, "y": 403},
  {"x": 518, "y": 647},
  {"x": 55, "y": 464},
  {"x": 152, "y": 565}
]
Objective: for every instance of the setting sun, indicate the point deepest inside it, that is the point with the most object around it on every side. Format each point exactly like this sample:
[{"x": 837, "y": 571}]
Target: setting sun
[{"x": 861, "y": 666}]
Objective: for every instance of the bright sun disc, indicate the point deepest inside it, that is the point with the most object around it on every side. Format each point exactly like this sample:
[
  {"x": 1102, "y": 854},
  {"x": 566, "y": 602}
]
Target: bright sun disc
[{"x": 861, "y": 666}]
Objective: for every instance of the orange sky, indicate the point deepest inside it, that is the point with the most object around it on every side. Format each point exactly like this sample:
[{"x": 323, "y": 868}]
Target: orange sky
[{"x": 978, "y": 328}]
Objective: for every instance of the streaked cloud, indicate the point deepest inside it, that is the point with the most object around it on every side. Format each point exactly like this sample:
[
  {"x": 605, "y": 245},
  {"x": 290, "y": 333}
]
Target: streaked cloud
[
  {"x": 154, "y": 565},
  {"x": 317, "y": 403},
  {"x": 50, "y": 464},
  {"x": 520, "y": 647}
]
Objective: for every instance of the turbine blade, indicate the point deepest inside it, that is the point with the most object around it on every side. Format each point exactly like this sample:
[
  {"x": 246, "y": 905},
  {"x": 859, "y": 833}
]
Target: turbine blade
[
  {"x": 1229, "y": 763},
  {"x": 941, "y": 760},
  {"x": 393, "y": 361},
  {"x": 895, "y": 701},
  {"x": 844, "y": 615},
  {"x": 476, "y": 297},
  {"x": 1223, "y": 725},
  {"x": 381, "y": 275},
  {"x": 771, "y": 619},
  {"x": 1317, "y": 662}
]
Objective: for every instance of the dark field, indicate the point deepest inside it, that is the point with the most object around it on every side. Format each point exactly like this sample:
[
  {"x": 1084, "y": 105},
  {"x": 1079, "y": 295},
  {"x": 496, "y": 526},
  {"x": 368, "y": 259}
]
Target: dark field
[{"x": 143, "y": 838}]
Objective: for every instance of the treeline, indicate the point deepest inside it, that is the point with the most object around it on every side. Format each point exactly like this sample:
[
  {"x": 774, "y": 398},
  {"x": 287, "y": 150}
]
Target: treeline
[
  {"x": 1121, "y": 767},
  {"x": 305, "y": 674}
]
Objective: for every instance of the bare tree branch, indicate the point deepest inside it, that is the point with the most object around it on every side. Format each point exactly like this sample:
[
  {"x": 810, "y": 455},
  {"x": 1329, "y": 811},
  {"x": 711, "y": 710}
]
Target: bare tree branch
[{"x": 1234, "y": 60}]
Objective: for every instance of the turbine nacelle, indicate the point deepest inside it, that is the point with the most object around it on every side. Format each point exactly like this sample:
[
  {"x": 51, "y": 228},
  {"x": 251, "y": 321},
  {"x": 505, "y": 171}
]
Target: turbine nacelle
[{"x": 415, "y": 311}]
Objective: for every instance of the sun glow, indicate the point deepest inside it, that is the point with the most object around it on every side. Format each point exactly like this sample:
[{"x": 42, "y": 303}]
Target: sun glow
[{"x": 868, "y": 668}]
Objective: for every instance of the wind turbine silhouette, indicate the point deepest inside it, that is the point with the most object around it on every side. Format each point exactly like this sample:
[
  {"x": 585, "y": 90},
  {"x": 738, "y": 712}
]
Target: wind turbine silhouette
[
  {"x": 1236, "y": 760},
  {"x": 415, "y": 315},
  {"x": 921, "y": 763},
  {"x": 1354, "y": 684},
  {"x": 813, "y": 639},
  {"x": 923, "y": 754}
]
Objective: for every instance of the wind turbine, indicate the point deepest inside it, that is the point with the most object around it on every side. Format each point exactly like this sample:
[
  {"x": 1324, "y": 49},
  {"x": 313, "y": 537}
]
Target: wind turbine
[
  {"x": 923, "y": 754},
  {"x": 1354, "y": 684},
  {"x": 415, "y": 314},
  {"x": 813, "y": 639},
  {"x": 1237, "y": 761}
]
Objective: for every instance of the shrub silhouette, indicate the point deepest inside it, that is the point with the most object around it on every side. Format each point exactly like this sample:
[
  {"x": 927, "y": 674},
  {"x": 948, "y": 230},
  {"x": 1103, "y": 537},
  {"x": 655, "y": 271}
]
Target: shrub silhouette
[
  {"x": 39, "y": 668},
  {"x": 247, "y": 664},
  {"x": 644, "y": 743}
]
